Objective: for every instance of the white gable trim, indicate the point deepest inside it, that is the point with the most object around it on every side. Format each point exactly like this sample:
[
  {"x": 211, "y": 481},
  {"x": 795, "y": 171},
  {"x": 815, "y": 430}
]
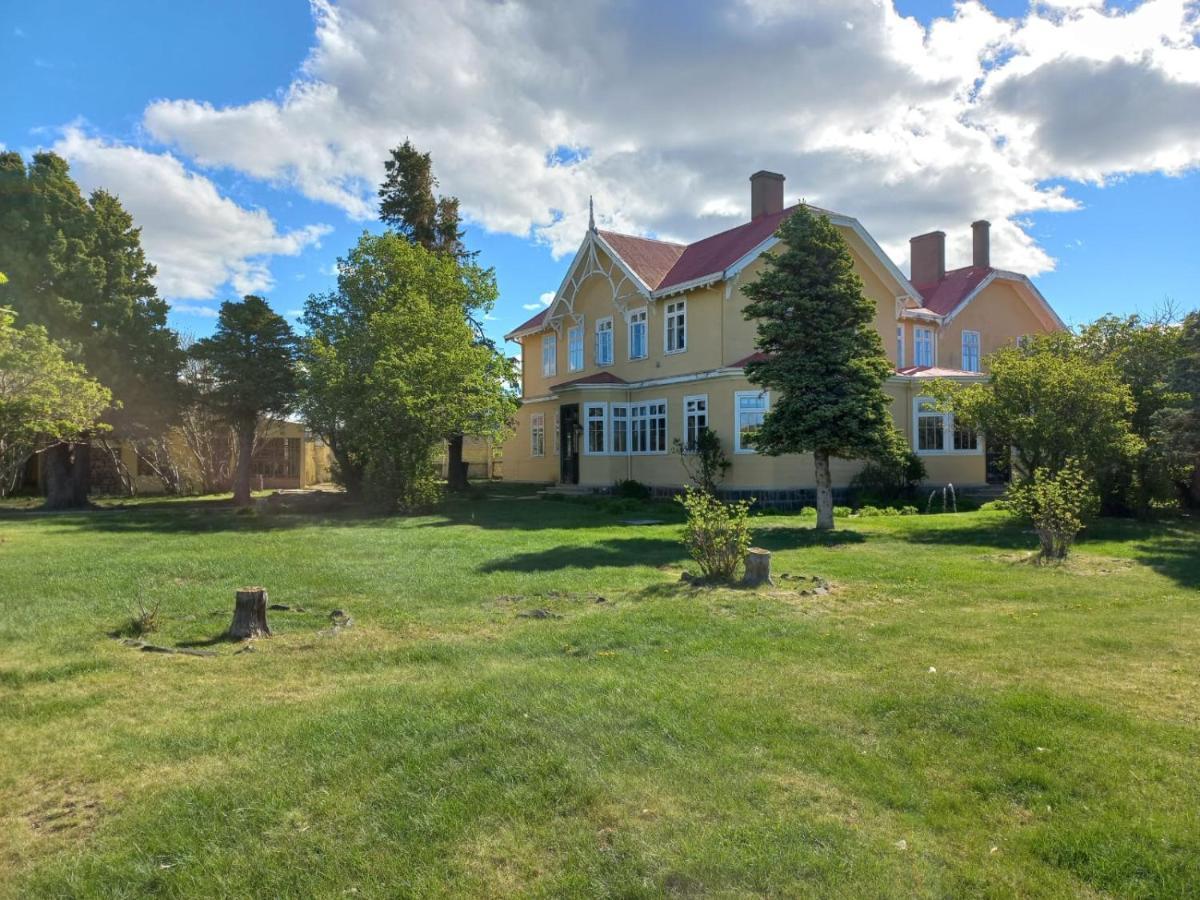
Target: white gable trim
[{"x": 1032, "y": 296}]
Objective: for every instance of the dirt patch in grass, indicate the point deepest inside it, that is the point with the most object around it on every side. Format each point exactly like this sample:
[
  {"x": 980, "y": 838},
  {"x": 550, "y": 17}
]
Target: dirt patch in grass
[{"x": 62, "y": 808}]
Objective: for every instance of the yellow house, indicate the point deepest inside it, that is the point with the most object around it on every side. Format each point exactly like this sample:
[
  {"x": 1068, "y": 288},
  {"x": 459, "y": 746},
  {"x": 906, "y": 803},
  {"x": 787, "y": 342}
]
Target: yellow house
[{"x": 645, "y": 342}]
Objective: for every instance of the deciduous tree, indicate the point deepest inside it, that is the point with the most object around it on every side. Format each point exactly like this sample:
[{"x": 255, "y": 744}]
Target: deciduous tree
[
  {"x": 823, "y": 359},
  {"x": 44, "y": 397}
]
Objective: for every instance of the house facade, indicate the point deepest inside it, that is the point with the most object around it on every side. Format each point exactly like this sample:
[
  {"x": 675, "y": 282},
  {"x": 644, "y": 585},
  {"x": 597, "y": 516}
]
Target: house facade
[{"x": 645, "y": 342}]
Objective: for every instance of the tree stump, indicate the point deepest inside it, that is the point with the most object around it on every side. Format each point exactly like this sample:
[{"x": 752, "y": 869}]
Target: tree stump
[
  {"x": 250, "y": 614},
  {"x": 758, "y": 567}
]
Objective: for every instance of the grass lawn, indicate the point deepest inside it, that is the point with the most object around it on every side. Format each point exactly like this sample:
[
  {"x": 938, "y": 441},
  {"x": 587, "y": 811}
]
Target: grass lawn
[{"x": 948, "y": 721}]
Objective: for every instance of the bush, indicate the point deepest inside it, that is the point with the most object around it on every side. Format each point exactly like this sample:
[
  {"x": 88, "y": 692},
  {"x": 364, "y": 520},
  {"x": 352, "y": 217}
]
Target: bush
[
  {"x": 1057, "y": 505},
  {"x": 632, "y": 490},
  {"x": 704, "y": 460},
  {"x": 808, "y": 512},
  {"x": 717, "y": 535},
  {"x": 894, "y": 479},
  {"x": 841, "y": 512},
  {"x": 909, "y": 511}
]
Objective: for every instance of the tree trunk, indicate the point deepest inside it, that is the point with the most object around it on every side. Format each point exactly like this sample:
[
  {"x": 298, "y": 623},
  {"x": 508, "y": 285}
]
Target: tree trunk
[
  {"x": 68, "y": 475},
  {"x": 824, "y": 491},
  {"x": 456, "y": 469},
  {"x": 249, "y": 614},
  {"x": 758, "y": 567},
  {"x": 241, "y": 477}
]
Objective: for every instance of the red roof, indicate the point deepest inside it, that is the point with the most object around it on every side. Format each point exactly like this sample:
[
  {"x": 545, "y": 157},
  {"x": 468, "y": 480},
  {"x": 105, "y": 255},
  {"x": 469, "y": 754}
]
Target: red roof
[
  {"x": 757, "y": 356},
  {"x": 533, "y": 322},
  {"x": 944, "y": 296},
  {"x": 650, "y": 259},
  {"x": 717, "y": 253},
  {"x": 597, "y": 378}
]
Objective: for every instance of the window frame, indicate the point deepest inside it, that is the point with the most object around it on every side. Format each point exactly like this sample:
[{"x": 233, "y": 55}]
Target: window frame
[
  {"x": 920, "y": 331},
  {"x": 688, "y": 415},
  {"x": 978, "y": 351},
  {"x": 642, "y": 314},
  {"x": 947, "y": 430},
  {"x": 675, "y": 309},
  {"x": 618, "y": 424},
  {"x": 611, "y": 332},
  {"x": 636, "y": 417},
  {"x": 576, "y": 331},
  {"x": 737, "y": 417},
  {"x": 537, "y": 425},
  {"x": 549, "y": 365},
  {"x": 899, "y": 346},
  {"x": 587, "y": 429}
]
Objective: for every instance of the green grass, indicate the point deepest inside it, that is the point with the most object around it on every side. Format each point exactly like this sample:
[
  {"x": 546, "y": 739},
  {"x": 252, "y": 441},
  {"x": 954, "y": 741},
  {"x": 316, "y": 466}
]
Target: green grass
[{"x": 667, "y": 741}]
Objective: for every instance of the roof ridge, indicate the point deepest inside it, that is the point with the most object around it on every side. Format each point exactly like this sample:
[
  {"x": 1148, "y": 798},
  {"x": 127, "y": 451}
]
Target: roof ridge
[{"x": 638, "y": 237}]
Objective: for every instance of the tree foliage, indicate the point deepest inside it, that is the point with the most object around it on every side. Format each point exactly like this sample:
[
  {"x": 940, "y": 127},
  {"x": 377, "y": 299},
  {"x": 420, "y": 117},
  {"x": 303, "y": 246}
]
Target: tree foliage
[
  {"x": 823, "y": 358},
  {"x": 408, "y": 205},
  {"x": 392, "y": 366},
  {"x": 1178, "y": 426},
  {"x": 704, "y": 460},
  {"x": 76, "y": 267},
  {"x": 252, "y": 364},
  {"x": 1050, "y": 402},
  {"x": 44, "y": 397}
]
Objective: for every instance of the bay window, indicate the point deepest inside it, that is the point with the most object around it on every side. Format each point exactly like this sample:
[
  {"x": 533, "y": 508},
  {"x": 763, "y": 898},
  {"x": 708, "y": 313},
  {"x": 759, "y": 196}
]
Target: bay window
[
  {"x": 695, "y": 417},
  {"x": 619, "y": 414},
  {"x": 595, "y": 421},
  {"x": 648, "y": 427},
  {"x": 938, "y": 433}
]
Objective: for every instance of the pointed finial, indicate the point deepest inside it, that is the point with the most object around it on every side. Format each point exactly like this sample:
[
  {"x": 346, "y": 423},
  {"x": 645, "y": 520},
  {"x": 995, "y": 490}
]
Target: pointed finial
[{"x": 591, "y": 214}]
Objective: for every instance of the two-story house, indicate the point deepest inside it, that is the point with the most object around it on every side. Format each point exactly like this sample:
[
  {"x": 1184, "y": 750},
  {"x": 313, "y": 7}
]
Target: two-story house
[{"x": 645, "y": 342}]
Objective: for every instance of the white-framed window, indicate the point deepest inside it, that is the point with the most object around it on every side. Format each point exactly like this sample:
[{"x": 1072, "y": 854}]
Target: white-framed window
[
  {"x": 675, "y": 327},
  {"x": 595, "y": 428},
  {"x": 648, "y": 427},
  {"x": 575, "y": 348},
  {"x": 900, "y": 346},
  {"x": 922, "y": 346},
  {"x": 637, "y": 334},
  {"x": 970, "y": 351},
  {"x": 695, "y": 417},
  {"x": 619, "y": 417},
  {"x": 537, "y": 434},
  {"x": 937, "y": 433},
  {"x": 549, "y": 355},
  {"x": 604, "y": 341},
  {"x": 749, "y": 410}
]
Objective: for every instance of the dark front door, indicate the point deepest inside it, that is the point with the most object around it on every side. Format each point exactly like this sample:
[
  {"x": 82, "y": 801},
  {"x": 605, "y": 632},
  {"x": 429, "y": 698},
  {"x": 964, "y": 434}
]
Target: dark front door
[{"x": 570, "y": 432}]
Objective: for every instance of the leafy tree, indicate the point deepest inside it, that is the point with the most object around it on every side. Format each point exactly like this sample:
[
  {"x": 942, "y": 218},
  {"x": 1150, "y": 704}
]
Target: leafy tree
[
  {"x": 76, "y": 267},
  {"x": 1050, "y": 402},
  {"x": 252, "y": 359},
  {"x": 1143, "y": 353},
  {"x": 1178, "y": 427},
  {"x": 44, "y": 397},
  {"x": 392, "y": 366},
  {"x": 408, "y": 205},
  {"x": 824, "y": 360}
]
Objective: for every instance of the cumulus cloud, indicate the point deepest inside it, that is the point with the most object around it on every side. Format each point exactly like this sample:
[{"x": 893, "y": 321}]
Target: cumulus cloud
[
  {"x": 198, "y": 239},
  {"x": 666, "y": 108}
]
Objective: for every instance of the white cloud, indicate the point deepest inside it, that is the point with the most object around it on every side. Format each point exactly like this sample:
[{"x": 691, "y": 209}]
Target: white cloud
[
  {"x": 866, "y": 111},
  {"x": 543, "y": 301},
  {"x": 195, "y": 309},
  {"x": 198, "y": 239}
]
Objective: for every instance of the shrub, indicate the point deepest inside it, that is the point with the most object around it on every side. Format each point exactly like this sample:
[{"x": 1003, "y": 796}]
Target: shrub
[
  {"x": 1057, "y": 505},
  {"x": 909, "y": 511},
  {"x": 632, "y": 490},
  {"x": 869, "y": 511},
  {"x": 704, "y": 460},
  {"x": 717, "y": 534},
  {"x": 841, "y": 512},
  {"x": 889, "y": 480},
  {"x": 808, "y": 512},
  {"x": 143, "y": 619}
]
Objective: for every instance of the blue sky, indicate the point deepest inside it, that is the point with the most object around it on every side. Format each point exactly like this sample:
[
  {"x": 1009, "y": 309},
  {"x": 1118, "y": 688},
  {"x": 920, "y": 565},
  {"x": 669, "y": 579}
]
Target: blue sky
[{"x": 269, "y": 187}]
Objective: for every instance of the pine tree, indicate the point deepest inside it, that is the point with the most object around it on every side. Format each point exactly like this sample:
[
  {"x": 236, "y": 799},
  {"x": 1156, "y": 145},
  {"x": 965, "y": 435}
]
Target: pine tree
[
  {"x": 823, "y": 359},
  {"x": 252, "y": 355}
]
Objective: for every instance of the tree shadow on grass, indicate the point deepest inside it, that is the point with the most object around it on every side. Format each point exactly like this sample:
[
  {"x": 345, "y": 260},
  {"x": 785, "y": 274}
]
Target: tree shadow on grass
[
  {"x": 613, "y": 553},
  {"x": 795, "y": 537}
]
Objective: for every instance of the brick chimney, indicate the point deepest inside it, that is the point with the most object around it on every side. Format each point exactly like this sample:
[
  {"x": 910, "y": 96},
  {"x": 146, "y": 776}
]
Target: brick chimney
[
  {"x": 981, "y": 244},
  {"x": 927, "y": 256},
  {"x": 766, "y": 193}
]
